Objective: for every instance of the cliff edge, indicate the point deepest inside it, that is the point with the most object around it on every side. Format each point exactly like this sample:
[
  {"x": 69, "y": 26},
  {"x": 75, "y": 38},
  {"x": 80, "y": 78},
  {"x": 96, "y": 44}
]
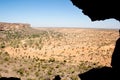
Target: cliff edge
[{"x": 13, "y": 26}]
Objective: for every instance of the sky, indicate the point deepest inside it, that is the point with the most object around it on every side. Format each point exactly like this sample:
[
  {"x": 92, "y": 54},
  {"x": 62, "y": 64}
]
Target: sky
[{"x": 49, "y": 13}]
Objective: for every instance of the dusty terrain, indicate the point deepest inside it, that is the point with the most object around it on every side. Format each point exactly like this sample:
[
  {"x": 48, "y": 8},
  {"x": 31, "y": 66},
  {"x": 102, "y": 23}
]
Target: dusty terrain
[{"x": 45, "y": 52}]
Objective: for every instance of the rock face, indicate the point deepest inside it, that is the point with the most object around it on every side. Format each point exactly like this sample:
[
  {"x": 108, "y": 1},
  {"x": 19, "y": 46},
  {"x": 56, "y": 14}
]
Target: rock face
[
  {"x": 99, "y": 9},
  {"x": 13, "y": 26}
]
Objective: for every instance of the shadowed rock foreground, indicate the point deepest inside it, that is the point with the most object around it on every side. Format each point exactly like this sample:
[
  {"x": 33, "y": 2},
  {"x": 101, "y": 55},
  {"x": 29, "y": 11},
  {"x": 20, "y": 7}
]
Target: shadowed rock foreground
[
  {"x": 99, "y": 9},
  {"x": 9, "y": 78}
]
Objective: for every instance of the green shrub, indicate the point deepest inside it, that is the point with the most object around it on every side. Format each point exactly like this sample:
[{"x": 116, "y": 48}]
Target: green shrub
[{"x": 2, "y": 45}]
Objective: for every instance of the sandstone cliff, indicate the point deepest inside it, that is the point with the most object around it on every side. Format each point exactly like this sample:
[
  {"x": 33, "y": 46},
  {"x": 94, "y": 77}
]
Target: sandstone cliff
[{"x": 13, "y": 26}]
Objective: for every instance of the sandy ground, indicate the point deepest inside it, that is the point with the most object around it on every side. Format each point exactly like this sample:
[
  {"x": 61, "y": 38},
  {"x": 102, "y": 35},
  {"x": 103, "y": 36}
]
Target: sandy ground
[
  {"x": 93, "y": 45},
  {"x": 58, "y": 51}
]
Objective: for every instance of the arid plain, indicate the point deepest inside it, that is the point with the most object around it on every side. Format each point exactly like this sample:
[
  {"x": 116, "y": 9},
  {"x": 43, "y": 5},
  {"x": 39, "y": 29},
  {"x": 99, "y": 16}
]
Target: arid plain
[{"x": 42, "y": 53}]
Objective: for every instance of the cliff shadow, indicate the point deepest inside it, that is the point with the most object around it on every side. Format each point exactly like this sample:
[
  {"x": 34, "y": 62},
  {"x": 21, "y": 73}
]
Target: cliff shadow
[{"x": 104, "y": 73}]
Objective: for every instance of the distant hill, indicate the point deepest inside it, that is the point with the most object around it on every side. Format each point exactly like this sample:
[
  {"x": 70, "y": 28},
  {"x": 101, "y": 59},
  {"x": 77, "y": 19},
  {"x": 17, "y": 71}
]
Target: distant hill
[{"x": 13, "y": 26}]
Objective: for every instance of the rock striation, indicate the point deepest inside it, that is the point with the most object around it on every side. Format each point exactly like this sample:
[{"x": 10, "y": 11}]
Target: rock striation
[{"x": 13, "y": 26}]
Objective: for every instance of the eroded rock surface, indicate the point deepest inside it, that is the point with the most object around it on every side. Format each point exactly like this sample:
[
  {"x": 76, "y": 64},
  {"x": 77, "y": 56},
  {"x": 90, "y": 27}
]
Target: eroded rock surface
[{"x": 13, "y": 26}]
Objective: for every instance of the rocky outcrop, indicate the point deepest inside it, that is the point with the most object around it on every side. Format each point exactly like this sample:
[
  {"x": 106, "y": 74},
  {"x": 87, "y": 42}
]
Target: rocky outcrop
[
  {"x": 99, "y": 9},
  {"x": 9, "y": 78},
  {"x": 13, "y": 26}
]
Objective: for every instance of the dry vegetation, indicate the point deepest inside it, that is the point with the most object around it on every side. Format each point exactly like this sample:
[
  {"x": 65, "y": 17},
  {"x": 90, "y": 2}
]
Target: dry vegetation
[{"x": 42, "y": 53}]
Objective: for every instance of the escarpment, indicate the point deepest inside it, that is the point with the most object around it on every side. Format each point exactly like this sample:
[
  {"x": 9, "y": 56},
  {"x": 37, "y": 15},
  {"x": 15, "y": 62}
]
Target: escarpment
[{"x": 13, "y": 26}]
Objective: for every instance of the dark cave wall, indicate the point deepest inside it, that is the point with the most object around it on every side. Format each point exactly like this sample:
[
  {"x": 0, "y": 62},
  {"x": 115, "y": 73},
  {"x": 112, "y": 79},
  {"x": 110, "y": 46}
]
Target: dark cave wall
[{"x": 99, "y": 9}]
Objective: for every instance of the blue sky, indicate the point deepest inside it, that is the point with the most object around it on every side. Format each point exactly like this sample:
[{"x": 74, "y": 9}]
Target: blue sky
[{"x": 49, "y": 13}]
